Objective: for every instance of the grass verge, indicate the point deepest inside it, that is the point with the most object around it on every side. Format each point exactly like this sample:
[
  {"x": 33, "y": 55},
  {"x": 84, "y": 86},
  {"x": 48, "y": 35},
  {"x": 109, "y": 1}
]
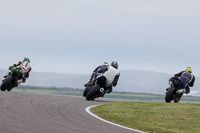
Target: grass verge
[{"x": 153, "y": 117}]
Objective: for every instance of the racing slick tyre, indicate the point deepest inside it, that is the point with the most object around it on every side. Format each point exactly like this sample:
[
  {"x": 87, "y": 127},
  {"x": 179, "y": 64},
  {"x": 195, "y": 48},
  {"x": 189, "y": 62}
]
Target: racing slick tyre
[
  {"x": 91, "y": 94},
  {"x": 169, "y": 94},
  {"x": 6, "y": 82},
  {"x": 85, "y": 92},
  {"x": 87, "y": 89}
]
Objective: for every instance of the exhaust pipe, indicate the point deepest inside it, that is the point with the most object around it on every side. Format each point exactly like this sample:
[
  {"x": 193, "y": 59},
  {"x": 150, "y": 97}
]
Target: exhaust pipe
[
  {"x": 101, "y": 90},
  {"x": 182, "y": 91}
]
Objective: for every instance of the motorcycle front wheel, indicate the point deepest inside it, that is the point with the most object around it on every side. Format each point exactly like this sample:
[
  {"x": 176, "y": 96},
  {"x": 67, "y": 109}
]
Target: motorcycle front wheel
[
  {"x": 87, "y": 89},
  {"x": 91, "y": 94},
  {"x": 6, "y": 82},
  {"x": 169, "y": 94}
]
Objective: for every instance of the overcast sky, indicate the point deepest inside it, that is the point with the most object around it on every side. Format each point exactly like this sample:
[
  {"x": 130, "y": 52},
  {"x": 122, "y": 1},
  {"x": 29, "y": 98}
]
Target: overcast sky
[{"x": 75, "y": 36}]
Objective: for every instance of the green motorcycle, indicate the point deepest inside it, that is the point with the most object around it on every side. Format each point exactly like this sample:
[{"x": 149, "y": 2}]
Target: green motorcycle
[{"x": 11, "y": 80}]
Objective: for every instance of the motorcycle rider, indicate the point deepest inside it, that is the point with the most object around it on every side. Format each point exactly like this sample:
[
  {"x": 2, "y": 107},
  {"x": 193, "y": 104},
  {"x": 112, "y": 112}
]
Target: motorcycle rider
[
  {"x": 102, "y": 69},
  {"x": 187, "y": 79},
  {"x": 26, "y": 67}
]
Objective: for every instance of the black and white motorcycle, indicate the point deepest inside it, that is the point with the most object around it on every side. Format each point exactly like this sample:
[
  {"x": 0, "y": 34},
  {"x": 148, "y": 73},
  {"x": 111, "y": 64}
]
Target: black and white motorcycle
[{"x": 102, "y": 81}]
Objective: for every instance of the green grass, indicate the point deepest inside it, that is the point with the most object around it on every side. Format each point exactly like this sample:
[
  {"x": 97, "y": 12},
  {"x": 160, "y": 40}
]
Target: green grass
[
  {"x": 153, "y": 117},
  {"x": 150, "y": 97}
]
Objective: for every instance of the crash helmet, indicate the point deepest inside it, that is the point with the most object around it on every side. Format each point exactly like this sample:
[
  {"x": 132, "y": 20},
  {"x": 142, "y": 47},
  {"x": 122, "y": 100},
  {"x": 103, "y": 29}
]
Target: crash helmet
[
  {"x": 26, "y": 59},
  {"x": 114, "y": 64},
  {"x": 189, "y": 69}
]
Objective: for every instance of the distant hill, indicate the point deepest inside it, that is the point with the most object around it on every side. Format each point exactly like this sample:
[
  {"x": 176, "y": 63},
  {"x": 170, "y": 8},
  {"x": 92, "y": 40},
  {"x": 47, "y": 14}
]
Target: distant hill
[{"x": 130, "y": 81}]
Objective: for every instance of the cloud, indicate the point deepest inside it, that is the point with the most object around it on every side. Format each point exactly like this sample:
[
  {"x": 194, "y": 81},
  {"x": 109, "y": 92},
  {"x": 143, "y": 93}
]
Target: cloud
[{"x": 75, "y": 34}]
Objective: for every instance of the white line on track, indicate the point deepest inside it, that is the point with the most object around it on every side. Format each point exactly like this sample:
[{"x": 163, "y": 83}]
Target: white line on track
[{"x": 89, "y": 112}]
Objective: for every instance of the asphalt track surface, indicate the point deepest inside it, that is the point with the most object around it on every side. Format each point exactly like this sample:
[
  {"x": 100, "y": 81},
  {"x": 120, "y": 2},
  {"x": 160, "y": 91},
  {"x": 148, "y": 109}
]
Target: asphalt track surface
[{"x": 41, "y": 113}]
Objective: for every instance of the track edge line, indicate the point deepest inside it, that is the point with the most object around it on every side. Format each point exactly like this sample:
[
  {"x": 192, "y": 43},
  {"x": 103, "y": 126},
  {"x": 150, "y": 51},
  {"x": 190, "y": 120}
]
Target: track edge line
[{"x": 88, "y": 110}]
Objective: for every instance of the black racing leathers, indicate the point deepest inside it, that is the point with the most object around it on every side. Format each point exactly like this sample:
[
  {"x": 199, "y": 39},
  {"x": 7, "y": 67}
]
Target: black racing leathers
[{"x": 187, "y": 79}]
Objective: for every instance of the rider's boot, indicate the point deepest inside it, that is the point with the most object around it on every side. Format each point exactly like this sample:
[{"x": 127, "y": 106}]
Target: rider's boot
[
  {"x": 90, "y": 81},
  {"x": 87, "y": 84},
  {"x": 6, "y": 75}
]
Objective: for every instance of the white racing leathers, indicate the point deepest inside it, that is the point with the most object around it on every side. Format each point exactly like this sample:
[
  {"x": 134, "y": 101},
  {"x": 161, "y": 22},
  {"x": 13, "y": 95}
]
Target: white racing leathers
[
  {"x": 25, "y": 67},
  {"x": 110, "y": 75}
]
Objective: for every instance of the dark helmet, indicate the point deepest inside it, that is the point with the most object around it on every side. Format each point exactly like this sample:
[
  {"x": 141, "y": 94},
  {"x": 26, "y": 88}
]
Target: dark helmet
[
  {"x": 26, "y": 59},
  {"x": 114, "y": 64}
]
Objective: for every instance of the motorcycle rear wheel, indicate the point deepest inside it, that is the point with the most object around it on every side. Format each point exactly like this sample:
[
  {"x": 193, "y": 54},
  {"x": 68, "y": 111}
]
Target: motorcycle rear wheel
[
  {"x": 91, "y": 94},
  {"x": 6, "y": 82},
  {"x": 178, "y": 98}
]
